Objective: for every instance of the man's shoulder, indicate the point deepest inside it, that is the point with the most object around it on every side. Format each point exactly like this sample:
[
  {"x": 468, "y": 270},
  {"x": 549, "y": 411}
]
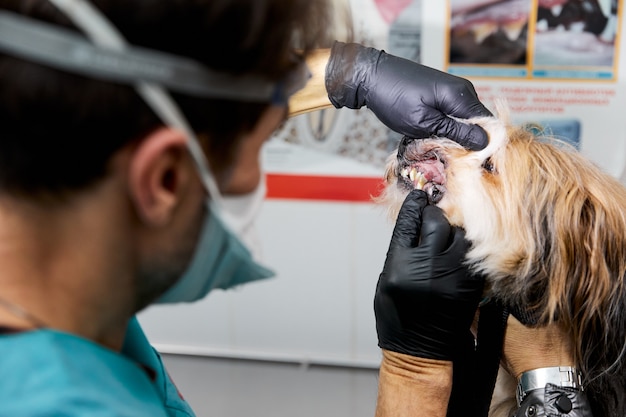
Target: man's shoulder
[{"x": 50, "y": 372}]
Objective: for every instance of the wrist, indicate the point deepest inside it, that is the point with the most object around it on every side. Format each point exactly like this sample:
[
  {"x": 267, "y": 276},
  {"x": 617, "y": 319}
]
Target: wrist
[
  {"x": 551, "y": 347},
  {"x": 412, "y": 386},
  {"x": 416, "y": 368}
]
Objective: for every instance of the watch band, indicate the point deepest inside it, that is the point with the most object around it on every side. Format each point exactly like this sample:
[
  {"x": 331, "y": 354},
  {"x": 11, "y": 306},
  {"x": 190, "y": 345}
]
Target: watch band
[{"x": 562, "y": 376}]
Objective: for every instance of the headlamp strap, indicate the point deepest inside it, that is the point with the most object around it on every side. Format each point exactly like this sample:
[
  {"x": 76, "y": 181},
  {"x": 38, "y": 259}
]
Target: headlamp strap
[{"x": 102, "y": 53}]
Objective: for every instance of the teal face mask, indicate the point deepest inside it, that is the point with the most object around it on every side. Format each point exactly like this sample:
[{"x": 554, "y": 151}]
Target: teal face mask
[{"x": 220, "y": 260}]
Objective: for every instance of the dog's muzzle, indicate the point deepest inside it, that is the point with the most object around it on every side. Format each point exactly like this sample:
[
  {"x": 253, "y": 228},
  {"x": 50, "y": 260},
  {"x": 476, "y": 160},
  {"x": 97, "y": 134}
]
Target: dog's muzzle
[{"x": 421, "y": 167}]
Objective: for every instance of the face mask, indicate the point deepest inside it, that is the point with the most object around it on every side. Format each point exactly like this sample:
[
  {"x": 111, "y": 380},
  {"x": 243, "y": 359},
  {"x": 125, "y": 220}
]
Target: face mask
[
  {"x": 240, "y": 214},
  {"x": 220, "y": 261}
]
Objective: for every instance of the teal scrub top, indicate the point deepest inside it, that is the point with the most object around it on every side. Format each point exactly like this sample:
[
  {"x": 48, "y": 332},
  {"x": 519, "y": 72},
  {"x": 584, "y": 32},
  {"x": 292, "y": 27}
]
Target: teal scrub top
[{"x": 50, "y": 373}]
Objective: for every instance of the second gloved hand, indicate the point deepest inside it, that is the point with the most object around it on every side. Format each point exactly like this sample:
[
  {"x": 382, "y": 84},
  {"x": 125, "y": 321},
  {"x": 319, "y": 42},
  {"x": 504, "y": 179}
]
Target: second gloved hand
[
  {"x": 425, "y": 298},
  {"x": 411, "y": 99}
]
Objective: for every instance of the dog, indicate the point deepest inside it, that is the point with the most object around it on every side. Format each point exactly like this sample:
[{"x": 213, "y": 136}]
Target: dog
[{"x": 547, "y": 229}]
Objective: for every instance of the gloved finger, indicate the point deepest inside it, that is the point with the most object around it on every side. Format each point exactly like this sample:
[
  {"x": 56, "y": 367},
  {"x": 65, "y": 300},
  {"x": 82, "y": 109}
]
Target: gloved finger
[
  {"x": 470, "y": 107},
  {"x": 472, "y": 137},
  {"x": 435, "y": 233},
  {"x": 460, "y": 246},
  {"x": 461, "y": 99},
  {"x": 458, "y": 242},
  {"x": 409, "y": 222},
  {"x": 475, "y": 109}
]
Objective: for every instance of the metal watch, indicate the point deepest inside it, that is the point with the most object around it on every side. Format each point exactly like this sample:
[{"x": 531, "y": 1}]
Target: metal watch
[{"x": 562, "y": 376}]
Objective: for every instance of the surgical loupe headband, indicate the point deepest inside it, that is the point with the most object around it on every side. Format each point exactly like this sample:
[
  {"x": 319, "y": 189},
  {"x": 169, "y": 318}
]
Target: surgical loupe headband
[{"x": 104, "y": 54}]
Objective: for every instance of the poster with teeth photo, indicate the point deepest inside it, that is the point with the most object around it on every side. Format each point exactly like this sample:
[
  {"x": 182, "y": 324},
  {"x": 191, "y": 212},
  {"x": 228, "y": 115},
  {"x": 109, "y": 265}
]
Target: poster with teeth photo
[
  {"x": 556, "y": 62},
  {"x": 558, "y": 39}
]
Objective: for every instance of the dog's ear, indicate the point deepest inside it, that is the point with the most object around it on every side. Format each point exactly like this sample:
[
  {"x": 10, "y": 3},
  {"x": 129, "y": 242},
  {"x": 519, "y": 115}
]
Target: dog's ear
[
  {"x": 576, "y": 240},
  {"x": 588, "y": 245}
]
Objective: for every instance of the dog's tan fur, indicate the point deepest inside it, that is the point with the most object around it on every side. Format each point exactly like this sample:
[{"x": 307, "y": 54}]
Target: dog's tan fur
[{"x": 548, "y": 230}]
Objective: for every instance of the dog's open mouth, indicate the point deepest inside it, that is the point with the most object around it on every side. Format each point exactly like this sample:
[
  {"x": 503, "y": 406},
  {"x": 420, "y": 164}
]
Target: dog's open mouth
[{"x": 421, "y": 169}]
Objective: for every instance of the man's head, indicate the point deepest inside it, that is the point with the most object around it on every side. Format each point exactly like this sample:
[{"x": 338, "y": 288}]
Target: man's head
[
  {"x": 67, "y": 137},
  {"x": 60, "y": 129}
]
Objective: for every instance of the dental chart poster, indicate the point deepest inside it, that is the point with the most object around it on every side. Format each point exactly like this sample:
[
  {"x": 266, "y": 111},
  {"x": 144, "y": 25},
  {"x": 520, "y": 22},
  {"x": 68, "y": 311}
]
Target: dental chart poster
[{"x": 558, "y": 63}]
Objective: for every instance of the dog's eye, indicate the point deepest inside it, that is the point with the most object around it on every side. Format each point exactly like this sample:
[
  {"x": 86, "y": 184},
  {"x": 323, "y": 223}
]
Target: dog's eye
[{"x": 488, "y": 166}]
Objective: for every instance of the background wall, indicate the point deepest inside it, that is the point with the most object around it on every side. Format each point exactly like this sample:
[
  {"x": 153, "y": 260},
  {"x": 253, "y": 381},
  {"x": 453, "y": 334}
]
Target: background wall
[{"x": 317, "y": 310}]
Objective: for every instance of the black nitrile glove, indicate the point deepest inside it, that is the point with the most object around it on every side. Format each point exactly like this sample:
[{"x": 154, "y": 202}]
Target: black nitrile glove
[
  {"x": 555, "y": 401},
  {"x": 425, "y": 298},
  {"x": 409, "y": 98}
]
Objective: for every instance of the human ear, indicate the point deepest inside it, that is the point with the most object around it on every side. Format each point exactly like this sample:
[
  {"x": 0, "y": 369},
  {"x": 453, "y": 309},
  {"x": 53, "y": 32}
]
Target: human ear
[{"x": 159, "y": 174}]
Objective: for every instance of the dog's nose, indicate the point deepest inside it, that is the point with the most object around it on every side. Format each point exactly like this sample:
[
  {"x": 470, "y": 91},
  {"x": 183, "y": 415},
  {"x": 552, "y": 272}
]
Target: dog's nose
[{"x": 404, "y": 142}]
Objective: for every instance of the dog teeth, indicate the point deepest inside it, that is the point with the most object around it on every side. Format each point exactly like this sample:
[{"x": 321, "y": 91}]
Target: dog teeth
[
  {"x": 421, "y": 181},
  {"x": 415, "y": 176}
]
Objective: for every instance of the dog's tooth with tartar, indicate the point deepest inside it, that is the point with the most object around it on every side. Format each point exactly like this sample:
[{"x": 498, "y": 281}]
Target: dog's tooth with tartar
[{"x": 414, "y": 175}]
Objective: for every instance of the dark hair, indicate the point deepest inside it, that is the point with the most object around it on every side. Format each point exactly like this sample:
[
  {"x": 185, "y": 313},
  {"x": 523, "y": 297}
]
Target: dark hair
[{"x": 58, "y": 130}]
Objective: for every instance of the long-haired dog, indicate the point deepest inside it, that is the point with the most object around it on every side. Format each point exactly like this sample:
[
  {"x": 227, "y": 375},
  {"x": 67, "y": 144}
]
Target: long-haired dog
[{"x": 547, "y": 229}]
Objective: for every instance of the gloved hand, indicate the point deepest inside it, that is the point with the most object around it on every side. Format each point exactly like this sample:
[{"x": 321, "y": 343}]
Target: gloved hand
[
  {"x": 425, "y": 298},
  {"x": 409, "y": 98},
  {"x": 555, "y": 401}
]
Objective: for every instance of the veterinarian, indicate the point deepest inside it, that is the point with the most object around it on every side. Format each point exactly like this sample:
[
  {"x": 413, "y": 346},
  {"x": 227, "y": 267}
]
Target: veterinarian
[{"x": 127, "y": 126}]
